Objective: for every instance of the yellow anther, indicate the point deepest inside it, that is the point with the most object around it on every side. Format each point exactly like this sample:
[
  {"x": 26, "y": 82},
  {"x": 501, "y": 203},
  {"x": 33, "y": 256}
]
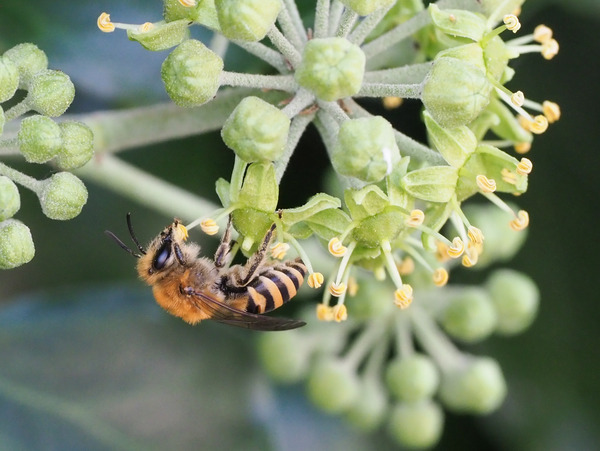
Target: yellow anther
[
  {"x": 440, "y": 277},
  {"x": 549, "y": 49},
  {"x": 105, "y": 24},
  {"x": 469, "y": 261},
  {"x": 485, "y": 185},
  {"x": 188, "y": 3},
  {"x": 406, "y": 266},
  {"x": 315, "y": 280},
  {"x": 551, "y": 111},
  {"x": 457, "y": 248},
  {"x": 147, "y": 26},
  {"x": 324, "y": 312},
  {"x": 475, "y": 235},
  {"x": 539, "y": 124},
  {"x": 542, "y": 33},
  {"x": 525, "y": 166},
  {"x": 416, "y": 218},
  {"x": 337, "y": 289},
  {"x": 523, "y": 147},
  {"x": 183, "y": 232},
  {"x": 340, "y": 313},
  {"x": 441, "y": 253},
  {"x": 209, "y": 226},
  {"x": 521, "y": 221},
  {"x": 279, "y": 250},
  {"x": 518, "y": 98},
  {"x": 512, "y": 22},
  {"x": 508, "y": 176},
  {"x": 392, "y": 102},
  {"x": 352, "y": 286},
  {"x": 403, "y": 296},
  {"x": 336, "y": 248}
]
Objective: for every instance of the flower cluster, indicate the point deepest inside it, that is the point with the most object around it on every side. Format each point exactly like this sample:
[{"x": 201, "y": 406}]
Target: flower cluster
[
  {"x": 38, "y": 139},
  {"x": 402, "y": 222}
]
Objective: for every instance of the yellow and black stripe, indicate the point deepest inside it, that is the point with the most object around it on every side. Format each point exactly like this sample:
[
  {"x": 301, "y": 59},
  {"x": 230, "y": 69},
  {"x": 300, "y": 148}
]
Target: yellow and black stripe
[{"x": 275, "y": 286}]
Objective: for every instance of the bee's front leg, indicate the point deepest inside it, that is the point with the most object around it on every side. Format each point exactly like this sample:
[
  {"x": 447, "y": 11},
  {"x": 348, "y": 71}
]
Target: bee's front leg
[
  {"x": 255, "y": 262},
  {"x": 224, "y": 248}
]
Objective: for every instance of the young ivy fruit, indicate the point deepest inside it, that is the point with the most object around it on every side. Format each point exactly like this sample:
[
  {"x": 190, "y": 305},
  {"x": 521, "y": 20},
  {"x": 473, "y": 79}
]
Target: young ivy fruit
[
  {"x": 16, "y": 244},
  {"x": 10, "y": 201},
  {"x": 29, "y": 60},
  {"x": 247, "y": 20},
  {"x": 39, "y": 138},
  {"x": 51, "y": 92},
  {"x": 63, "y": 196},
  {"x": 9, "y": 78},
  {"x": 77, "y": 145}
]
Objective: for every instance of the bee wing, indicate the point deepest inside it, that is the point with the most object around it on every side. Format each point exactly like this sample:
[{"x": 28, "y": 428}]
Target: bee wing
[{"x": 226, "y": 314}]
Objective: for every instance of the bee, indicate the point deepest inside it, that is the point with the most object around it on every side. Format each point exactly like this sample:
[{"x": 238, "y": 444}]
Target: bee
[{"x": 196, "y": 288}]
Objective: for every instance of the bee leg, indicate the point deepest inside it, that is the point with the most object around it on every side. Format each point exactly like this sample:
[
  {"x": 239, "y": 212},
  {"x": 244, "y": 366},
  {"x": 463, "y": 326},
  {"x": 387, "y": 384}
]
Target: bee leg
[
  {"x": 256, "y": 260},
  {"x": 224, "y": 247}
]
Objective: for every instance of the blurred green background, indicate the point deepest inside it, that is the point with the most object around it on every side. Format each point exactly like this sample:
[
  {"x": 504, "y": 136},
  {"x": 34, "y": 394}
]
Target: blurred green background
[{"x": 88, "y": 361}]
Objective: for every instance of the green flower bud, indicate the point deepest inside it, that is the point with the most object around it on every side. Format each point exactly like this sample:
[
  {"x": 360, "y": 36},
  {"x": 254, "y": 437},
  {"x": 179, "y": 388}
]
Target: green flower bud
[
  {"x": 477, "y": 388},
  {"x": 256, "y": 130},
  {"x": 77, "y": 145},
  {"x": 458, "y": 22},
  {"x": 369, "y": 410},
  {"x": 496, "y": 56},
  {"x": 455, "y": 92},
  {"x": 471, "y": 53},
  {"x": 285, "y": 356},
  {"x": 162, "y": 35},
  {"x": 332, "y": 68},
  {"x": 412, "y": 378},
  {"x": 16, "y": 244},
  {"x": 247, "y": 20},
  {"x": 10, "y": 201},
  {"x": 470, "y": 316},
  {"x": 455, "y": 144},
  {"x": 365, "y": 149},
  {"x": 29, "y": 60},
  {"x": 366, "y": 7},
  {"x": 63, "y": 196},
  {"x": 333, "y": 386},
  {"x": 416, "y": 425},
  {"x": 39, "y": 138},
  {"x": 9, "y": 78},
  {"x": 501, "y": 242},
  {"x": 204, "y": 13},
  {"x": 516, "y": 299},
  {"x": 51, "y": 92},
  {"x": 191, "y": 73},
  {"x": 433, "y": 184}
]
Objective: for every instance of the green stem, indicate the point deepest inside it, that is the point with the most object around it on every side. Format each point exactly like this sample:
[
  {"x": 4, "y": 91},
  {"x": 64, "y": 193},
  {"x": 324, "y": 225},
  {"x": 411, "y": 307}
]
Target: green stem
[
  {"x": 301, "y": 100},
  {"x": 110, "y": 172},
  {"x": 17, "y": 110},
  {"x": 219, "y": 44},
  {"x": 363, "y": 344},
  {"x": 266, "y": 54},
  {"x": 22, "y": 179},
  {"x": 278, "y": 82},
  {"x": 284, "y": 46},
  {"x": 408, "y": 91},
  {"x": 409, "y": 74},
  {"x": 334, "y": 110},
  {"x": 10, "y": 143},
  {"x": 297, "y": 127},
  {"x": 367, "y": 25},
  {"x": 292, "y": 9},
  {"x": 404, "y": 342},
  {"x": 289, "y": 29},
  {"x": 335, "y": 15},
  {"x": 347, "y": 21},
  {"x": 321, "y": 19},
  {"x": 237, "y": 178}
]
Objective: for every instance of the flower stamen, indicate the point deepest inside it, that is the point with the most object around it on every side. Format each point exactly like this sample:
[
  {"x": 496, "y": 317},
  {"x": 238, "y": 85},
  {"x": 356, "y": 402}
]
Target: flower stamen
[
  {"x": 403, "y": 296},
  {"x": 485, "y": 184},
  {"x": 209, "y": 226},
  {"x": 524, "y": 167},
  {"x": 336, "y": 248},
  {"x": 315, "y": 280}
]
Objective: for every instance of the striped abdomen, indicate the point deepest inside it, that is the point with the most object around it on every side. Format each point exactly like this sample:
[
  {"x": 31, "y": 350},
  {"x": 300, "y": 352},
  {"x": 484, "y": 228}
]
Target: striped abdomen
[{"x": 274, "y": 286}]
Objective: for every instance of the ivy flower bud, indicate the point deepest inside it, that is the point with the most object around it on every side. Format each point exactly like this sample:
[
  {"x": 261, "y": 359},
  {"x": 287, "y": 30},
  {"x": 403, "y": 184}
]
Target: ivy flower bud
[
  {"x": 470, "y": 316},
  {"x": 77, "y": 145},
  {"x": 412, "y": 378},
  {"x": 162, "y": 35},
  {"x": 366, "y": 7},
  {"x": 455, "y": 92},
  {"x": 16, "y": 244},
  {"x": 369, "y": 410},
  {"x": 247, "y": 20},
  {"x": 331, "y": 68},
  {"x": 333, "y": 386},
  {"x": 51, "y": 92},
  {"x": 515, "y": 298},
  {"x": 191, "y": 73},
  {"x": 9, "y": 78},
  {"x": 256, "y": 131},
  {"x": 39, "y": 138},
  {"x": 63, "y": 196},
  {"x": 477, "y": 388},
  {"x": 29, "y": 60},
  {"x": 416, "y": 425},
  {"x": 365, "y": 149},
  {"x": 285, "y": 356},
  {"x": 10, "y": 201}
]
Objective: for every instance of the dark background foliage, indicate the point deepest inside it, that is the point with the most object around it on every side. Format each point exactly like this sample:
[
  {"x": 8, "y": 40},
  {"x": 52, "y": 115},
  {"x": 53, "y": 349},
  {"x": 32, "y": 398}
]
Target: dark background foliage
[{"x": 89, "y": 362}]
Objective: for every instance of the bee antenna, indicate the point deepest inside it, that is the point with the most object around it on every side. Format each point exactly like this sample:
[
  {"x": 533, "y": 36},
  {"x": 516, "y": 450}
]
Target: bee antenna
[
  {"x": 121, "y": 244},
  {"x": 133, "y": 237}
]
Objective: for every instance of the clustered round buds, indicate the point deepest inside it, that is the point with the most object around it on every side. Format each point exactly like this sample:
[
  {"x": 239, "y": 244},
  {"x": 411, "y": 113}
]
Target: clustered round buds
[
  {"x": 29, "y": 59},
  {"x": 39, "y": 139},
  {"x": 247, "y": 20},
  {"x": 50, "y": 92},
  {"x": 10, "y": 200},
  {"x": 16, "y": 244},
  {"x": 63, "y": 196}
]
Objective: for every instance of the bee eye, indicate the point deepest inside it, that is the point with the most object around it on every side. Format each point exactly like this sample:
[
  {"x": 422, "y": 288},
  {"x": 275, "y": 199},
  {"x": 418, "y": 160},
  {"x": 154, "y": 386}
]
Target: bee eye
[{"x": 162, "y": 256}]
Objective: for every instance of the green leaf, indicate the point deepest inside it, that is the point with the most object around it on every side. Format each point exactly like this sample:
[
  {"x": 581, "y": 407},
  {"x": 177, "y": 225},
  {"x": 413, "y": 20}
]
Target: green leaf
[
  {"x": 314, "y": 205},
  {"x": 433, "y": 184},
  {"x": 365, "y": 202}
]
